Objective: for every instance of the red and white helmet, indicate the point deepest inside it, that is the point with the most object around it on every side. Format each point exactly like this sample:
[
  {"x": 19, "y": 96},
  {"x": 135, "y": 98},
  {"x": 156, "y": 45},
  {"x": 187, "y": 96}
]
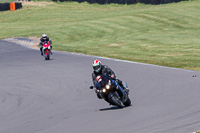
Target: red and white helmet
[{"x": 96, "y": 65}]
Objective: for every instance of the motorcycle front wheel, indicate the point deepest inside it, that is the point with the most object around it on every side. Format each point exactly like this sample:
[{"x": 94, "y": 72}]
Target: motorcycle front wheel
[
  {"x": 47, "y": 55},
  {"x": 114, "y": 99}
]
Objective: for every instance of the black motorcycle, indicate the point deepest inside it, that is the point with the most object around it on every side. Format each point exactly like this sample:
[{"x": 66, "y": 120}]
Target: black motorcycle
[{"x": 111, "y": 91}]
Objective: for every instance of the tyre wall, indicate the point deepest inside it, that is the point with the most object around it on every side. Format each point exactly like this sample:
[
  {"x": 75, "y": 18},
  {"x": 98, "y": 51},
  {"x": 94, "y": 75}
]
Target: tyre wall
[{"x": 6, "y": 6}]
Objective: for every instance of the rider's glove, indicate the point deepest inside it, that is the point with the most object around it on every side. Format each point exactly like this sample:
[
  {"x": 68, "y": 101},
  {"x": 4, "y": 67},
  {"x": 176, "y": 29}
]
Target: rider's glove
[{"x": 112, "y": 76}]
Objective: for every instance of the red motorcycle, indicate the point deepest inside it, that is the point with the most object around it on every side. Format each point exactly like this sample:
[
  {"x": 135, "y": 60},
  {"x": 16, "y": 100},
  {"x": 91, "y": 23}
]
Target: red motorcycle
[{"x": 46, "y": 49}]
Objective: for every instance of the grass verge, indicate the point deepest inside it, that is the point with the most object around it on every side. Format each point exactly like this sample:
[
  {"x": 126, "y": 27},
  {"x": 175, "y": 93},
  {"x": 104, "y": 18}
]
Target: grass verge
[{"x": 6, "y": 1}]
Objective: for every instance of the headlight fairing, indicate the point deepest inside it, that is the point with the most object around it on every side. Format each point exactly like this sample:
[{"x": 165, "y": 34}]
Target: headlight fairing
[{"x": 107, "y": 86}]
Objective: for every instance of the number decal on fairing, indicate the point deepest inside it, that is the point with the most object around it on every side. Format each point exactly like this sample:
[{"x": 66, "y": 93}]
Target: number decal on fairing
[{"x": 98, "y": 78}]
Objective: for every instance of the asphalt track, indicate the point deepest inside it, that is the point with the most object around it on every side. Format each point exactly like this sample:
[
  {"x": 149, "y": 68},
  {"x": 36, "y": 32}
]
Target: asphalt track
[{"x": 38, "y": 96}]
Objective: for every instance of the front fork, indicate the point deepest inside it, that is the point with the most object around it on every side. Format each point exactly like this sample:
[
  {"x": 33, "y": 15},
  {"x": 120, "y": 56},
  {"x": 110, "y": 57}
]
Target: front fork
[
  {"x": 43, "y": 50},
  {"x": 124, "y": 94}
]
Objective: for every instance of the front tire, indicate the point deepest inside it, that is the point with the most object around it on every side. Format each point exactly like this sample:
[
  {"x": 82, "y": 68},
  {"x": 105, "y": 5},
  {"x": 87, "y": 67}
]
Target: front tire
[
  {"x": 48, "y": 55},
  {"x": 114, "y": 99}
]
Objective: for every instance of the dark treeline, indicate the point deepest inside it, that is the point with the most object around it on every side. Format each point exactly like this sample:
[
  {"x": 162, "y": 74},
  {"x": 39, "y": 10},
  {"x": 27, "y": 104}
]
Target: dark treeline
[{"x": 154, "y": 2}]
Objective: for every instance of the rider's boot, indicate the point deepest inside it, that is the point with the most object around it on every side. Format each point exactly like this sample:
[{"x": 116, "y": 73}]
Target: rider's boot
[
  {"x": 41, "y": 50},
  {"x": 51, "y": 50},
  {"x": 123, "y": 87}
]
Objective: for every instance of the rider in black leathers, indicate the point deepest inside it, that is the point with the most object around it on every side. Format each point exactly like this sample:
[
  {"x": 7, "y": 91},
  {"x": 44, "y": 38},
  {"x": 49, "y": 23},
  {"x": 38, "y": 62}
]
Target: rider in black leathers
[
  {"x": 43, "y": 39},
  {"x": 105, "y": 70}
]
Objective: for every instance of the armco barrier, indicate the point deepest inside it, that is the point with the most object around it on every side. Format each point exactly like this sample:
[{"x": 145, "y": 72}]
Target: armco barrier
[
  {"x": 154, "y": 2},
  {"x": 10, "y": 6}
]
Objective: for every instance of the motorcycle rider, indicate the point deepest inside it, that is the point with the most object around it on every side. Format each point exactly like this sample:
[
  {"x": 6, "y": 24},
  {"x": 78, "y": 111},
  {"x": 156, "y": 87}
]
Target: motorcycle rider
[
  {"x": 105, "y": 70},
  {"x": 42, "y": 40}
]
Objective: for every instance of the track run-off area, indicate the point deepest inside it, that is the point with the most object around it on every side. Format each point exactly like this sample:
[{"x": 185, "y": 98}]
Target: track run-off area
[{"x": 39, "y": 96}]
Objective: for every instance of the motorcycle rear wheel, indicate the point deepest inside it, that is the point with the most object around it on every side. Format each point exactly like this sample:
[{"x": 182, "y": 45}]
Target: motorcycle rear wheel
[{"x": 128, "y": 102}]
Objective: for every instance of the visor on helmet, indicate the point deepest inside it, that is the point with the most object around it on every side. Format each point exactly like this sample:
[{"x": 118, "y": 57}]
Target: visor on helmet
[{"x": 96, "y": 67}]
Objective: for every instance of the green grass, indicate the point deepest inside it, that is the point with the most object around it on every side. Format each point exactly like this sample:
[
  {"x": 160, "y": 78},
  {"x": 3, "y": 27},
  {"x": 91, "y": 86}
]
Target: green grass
[
  {"x": 167, "y": 35},
  {"x": 6, "y": 1}
]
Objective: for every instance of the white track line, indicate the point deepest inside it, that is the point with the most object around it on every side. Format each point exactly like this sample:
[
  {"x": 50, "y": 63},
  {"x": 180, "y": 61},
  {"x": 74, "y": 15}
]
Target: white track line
[{"x": 132, "y": 62}]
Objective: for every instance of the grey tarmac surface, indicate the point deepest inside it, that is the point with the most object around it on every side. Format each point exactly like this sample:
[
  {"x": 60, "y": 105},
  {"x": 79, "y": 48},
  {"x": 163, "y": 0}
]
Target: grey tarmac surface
[{"x": 38, "y": 96}]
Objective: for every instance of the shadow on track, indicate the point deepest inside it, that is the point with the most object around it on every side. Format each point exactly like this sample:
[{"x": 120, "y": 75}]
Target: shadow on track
[
  {"x": 48, "y": 60},
  {"x": 111, "y": 108}
]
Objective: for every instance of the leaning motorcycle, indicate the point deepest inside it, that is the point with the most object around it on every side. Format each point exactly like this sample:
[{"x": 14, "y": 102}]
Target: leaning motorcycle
[
  {"x": 46, "y": 49},
  {"x": 111, "y": 91}
]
